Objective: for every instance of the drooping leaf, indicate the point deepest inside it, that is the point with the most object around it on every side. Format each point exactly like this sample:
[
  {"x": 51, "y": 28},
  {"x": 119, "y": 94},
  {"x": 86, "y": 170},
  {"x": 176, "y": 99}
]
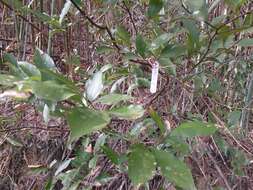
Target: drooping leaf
[
  {"x": 50, "y": 90},
  {"x": 83, "y": 121},
  {"x": 174, "y": 170},
  {"x": 113, "y": 99},
  {"x": 65, "y": 10},
  {"x": 94, "y": 86},
  {"x": 128, "y": 112},
  {"x": 154, "y": 7},
  {"x": 141, "y": 164},
  {"x": 194, "y": 128}
]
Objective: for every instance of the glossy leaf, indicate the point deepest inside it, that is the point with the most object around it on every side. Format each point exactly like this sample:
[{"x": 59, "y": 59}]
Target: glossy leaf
[
  {"x": 94, "y": 86},
  {"x": 194, "y": 128},
  {"x": 113, "y": 99},
  {"x": 83, "y": 121},
  {"x": 141, "y": 165},
  {"x": 174, "y": 170},
  {"x": 128, "y": 112}
]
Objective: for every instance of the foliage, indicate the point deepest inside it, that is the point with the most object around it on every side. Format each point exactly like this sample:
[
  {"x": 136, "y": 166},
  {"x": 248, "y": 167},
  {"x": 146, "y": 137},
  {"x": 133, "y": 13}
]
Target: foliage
[{"x": 188, "y": 40}]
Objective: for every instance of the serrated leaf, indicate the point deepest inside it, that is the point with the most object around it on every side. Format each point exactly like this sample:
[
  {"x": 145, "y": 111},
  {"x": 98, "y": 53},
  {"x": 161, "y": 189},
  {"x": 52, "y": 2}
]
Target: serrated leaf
[
  {"x": 94, "y": 86},
  {"x": 194, "y": 128},
  {"x": 154, "y": 7},
  {"x": 174, "y": 170},
  {"x": 141, "y": 165},
  {"x": 50, "y": 90},
  {"x": 113, "y": 99},
  {"x": 83, "y": 121},
  {"x": 128, "y": 112},
  {"x": 246, "y": 43},
  {"x": 65, "y": 10}
]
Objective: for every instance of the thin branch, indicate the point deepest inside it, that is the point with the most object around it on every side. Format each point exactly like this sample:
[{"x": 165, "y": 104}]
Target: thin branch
[
  {"x": 131, "y": 17},
  {"x": 52, "y": 128},
  {"x": 101, "y": 27}
]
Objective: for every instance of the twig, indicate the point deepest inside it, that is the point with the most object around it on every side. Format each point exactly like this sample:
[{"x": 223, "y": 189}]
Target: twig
[
  {"x": 101, "y": 27},
  {"x": 131, "y": 17},
  {"x": 35, "y": 128}
]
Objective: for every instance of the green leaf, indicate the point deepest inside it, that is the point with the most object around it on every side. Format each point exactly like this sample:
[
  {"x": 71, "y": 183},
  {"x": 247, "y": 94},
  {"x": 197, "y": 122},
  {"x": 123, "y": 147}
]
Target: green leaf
[
  {"x": 65, "y": 10},
  {"x": 234, "y": 118},
  {"x": 141, "y": 45},
  {"x": 113, "y": 99},
  {"x": 174, "y": 170},
  {"x": 154, "y": 7},
  {"x": 123, "y": 35},
  {"x": 141, "y": 165},
  {"x": 43, "y": 60},
  {"x": 62, "y": 166},
  {"x": 61, "y": 79},
  {"x": 50, "y": 90},
  {"x": 94, "y": 86},
  {"x": 128, "y": 112},
  {"x": 246, "y": 43},
  {"x": 195, "y": 5},
  {"x": 29, "y": 69},
  {"x": 83, "y": 121},
  {"x": 111, "y": 154},
  {"x": 11, "y": 59},
  {"x": 7, "y": 80},
  {"x": 194, "y": 128},
  {"x": 158, "y": 120},
  {"x": 159, "y": 41}
]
